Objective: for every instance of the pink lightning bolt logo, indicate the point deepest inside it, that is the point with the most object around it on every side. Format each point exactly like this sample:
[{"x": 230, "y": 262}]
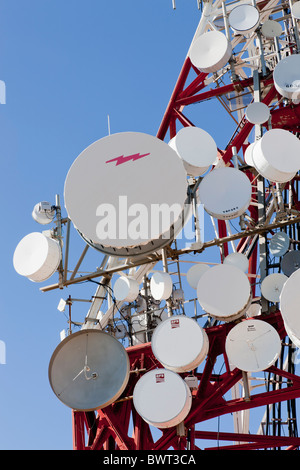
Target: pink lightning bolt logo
[{"x": 123, "y": 159}]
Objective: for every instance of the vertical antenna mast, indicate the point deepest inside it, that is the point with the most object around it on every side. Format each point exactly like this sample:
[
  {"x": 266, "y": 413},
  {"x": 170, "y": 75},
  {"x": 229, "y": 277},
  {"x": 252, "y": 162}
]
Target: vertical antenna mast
[{"x": 108, "y": 124}]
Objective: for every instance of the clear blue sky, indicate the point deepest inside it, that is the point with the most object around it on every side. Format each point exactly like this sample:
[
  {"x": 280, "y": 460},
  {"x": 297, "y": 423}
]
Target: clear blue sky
[{"x": 67, "y": 64}]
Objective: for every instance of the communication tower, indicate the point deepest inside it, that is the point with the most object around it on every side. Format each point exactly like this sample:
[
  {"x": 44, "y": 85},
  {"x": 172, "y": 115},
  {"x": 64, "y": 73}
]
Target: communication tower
[{"x": 174, "y": 339}]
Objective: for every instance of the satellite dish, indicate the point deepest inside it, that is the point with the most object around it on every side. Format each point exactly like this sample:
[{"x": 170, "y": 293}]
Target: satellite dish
[
  {"x": 43, "y": 213},
  {"x": 293, "y": 338},
  {"x": 289, "y": 304},
  {"x": 295, "y": 10},
  {"x": 179, "y": 343},
  {"x": 37, "y": 257},
  {"x": 244, "y": 19},
  {"x": 210, "y": 51},
  {"x": 161, "y": 285},
  {"x": 237, "y": 259},
  {"x": 89, "y": 370},
  {"x": 286, "y": 76},
  {"x": 196, "y": 148},
  {"x": 279, "y": 244},
  {"x": 117, "y": 184},
  {"x": 271, "y": 29},
  {"x": 126, "y": 288},
  {"x": 225, "y": 193},
  {"x": 257, "y": 113},
  {"x": 254, "y": 310},
  {"x": 290, "y": 262},
  {"x": 270, "y": 156},
  {"x": 178, "y": 296},
  {"x": 224, "y": 292},
  {"x": 194, "y": 273},
  {"x": 248, "y": 154},
  {"x": 253, "y": 345},
  {"x": 272, "y": 285},
  {"x": 162, "y": 398},
  {"x": 120, "y": 331}
]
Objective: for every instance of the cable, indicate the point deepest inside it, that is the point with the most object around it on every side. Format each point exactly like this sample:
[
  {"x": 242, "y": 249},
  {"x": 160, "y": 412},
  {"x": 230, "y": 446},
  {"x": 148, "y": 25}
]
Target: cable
[{"x": 115, "y": 306}]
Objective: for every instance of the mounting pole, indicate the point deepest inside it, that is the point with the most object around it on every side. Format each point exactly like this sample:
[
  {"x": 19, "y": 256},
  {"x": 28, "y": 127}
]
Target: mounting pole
[
  {"x": 295, "y": 28},
  {"x": 227, "y": 31},
  {"x": 260, "y": 198},
  {"x": 59, "y": 236},
  {"x": 69, "y": 303},
  {"x": 165, "y": 266}
]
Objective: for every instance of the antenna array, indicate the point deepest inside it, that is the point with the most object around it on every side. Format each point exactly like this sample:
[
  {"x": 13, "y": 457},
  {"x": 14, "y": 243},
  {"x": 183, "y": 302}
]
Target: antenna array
[{"x": 163, "y": 315}]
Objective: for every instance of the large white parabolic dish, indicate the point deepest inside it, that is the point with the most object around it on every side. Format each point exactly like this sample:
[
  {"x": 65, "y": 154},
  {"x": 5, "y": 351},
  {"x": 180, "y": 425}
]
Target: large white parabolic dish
[
  {"x": 179, "y": 343},
  {"x": 272, "y": 285},
  {"x": 196, "y": 148},
  {"x": 89, "y": 370},
  {"x": 126, "y": 288},
  {"x": 162, "y": 398},
  {"x": 224, "y": 292},
  {"x": 237, "y": 259},
  {"x": 244, "y": 19},
  {"x": 43, "y": 213},
  {"x": 271, "y": 29},
  {"x": 253, "y": 345},
  {"x": 37, "y": 257},
  {"x": 286, "y": 76},
  {"x": 161, "y": 285},
  {"x": 289, "y": 303},
  {"x": 225, "y": 193},
  {"x": 276, "y": 156},
  {"x": 296, "y": 10},
  {"x": 254, "y": 310},
  {"x": 210, "y": 51},
  {"x": 293, "y": 338},
  {"x": 279, "y": 244},
  {"x": 248, "y": 154},
  {"x": 290, "y": 262},
  {"x": 257, "y": 112},
  {"x": 195, "y": 272},
  {"x": 125, "y": 192}
]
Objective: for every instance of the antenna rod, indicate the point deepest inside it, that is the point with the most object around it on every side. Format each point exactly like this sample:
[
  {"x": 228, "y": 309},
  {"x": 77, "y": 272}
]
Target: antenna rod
[
  {"x": 165, "y": 266},
  {"x": 108, "y": 124}
]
